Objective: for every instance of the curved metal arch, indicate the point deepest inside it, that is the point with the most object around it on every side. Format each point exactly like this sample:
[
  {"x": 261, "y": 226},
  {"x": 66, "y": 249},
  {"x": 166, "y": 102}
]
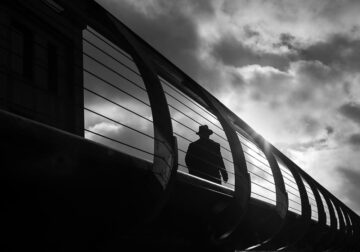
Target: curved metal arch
[
  {"x": 341, "y": 232},
  {"x": 165, "y": 147},
  {"x": 305, "y": 204},
  {"x": 163, "y": 160},
  {"x": 232, "y": 216},
  {"x": 281, "y": 194},
  {"x": 339, "y": 213},
  {"x": 358, "y": 231},
  {"x": 319, "y": 203},
  {"x": 282, "y": 202},
  {"x": 317, "y": 240},
  {"x": 333, "y": 220},
  {"x": 326, "y": 241},
  {"x": 355, "y": 227},
  {"x": 339, "y": 235},
  {"x": 330, "y": 237},
  {"x": 351, "y": 229},
  {"x": 348, "y": 230}
]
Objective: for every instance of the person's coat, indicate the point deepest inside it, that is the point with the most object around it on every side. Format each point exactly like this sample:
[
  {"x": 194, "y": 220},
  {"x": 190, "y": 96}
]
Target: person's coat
[{"x": 204, "y": 160}]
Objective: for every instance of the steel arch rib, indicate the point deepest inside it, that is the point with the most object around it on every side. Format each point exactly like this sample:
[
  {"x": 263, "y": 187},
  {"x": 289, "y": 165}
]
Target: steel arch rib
[
  {"x": 232, "y": 216},
  {"x": 282, "y": 202},
  {"x": 305, "y": 204},
  {"x": 165, "y": 149}
]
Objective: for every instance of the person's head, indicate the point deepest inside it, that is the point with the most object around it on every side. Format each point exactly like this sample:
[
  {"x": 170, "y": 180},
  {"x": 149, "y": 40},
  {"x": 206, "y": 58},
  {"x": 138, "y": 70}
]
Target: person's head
[{"x": 204, "y": 131}]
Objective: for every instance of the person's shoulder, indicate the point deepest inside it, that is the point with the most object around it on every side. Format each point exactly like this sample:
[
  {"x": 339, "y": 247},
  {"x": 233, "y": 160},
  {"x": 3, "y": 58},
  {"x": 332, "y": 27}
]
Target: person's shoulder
[
  {"x": 214, "y": 143},
  {"x": 193, "y": 143}
]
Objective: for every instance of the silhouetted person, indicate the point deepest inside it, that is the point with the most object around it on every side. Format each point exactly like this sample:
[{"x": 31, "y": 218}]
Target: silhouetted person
[{"x": 204, "y": 159}]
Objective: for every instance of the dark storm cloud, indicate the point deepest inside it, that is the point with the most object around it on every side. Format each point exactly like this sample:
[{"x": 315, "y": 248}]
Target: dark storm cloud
[
  {"x": 351, "y": 111},
  {"x": 200, "y": 7},
  {"x": 338, "y": 51},
  {"x": 329, "y": 130},
  {"x": 310, "y": 124},
  {"x": 316, "y": 73},
  {"x": 232, "y": 52},
  {"x": 354, "y": 140},
  {"x": 168, "y": 30},
  {"x": 352, "y": 187},
  {"x": 287, "y": 40},
  {"x": 336, "y": 9},
  {"x": 250, "y": 32}
]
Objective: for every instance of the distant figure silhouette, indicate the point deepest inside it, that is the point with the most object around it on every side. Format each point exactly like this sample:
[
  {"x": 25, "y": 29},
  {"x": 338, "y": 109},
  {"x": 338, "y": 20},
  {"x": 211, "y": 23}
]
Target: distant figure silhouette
[{"x": 204, "y": 159}]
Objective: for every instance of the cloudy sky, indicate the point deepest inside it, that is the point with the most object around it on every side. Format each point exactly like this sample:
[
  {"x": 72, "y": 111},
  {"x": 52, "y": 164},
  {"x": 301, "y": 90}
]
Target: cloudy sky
[{"x": 288, "y": 68}]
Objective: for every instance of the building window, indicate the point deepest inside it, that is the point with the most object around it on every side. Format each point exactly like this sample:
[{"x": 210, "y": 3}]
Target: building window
[
  {"x": 22, "y": 51},
  {"x": 52, "y": 67}
]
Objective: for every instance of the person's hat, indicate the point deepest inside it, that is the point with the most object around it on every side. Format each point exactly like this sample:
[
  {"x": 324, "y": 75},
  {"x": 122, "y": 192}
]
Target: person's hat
[{"x": 204, "y": 129}]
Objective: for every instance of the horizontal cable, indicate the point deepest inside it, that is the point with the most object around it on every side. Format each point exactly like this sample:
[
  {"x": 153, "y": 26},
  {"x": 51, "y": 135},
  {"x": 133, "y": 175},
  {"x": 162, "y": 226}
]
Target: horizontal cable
[
  {"x": 312, "y": 198},
  {"x": 253, "y": 182},
  {"x": 295, "y": 202},
  {"x": 271, "y": 182},
  {"x": 191, "y": 109},
  {"x": 258, "y": 167},
  {"x": 109, "y": 44},
  {"x": 252, "y": 146},
  {"x": 183, "y": 113},
  {"x": 114, "y": 86},
  {"x": 124, "y": 125},
  {"x": 184, "y": 96},
  {"x": 306, "y": 184},
  {"x": 112, "y": 57},
  {"x": 297, "y": 196},
  {"x": 264, "y": 157},
  {"x": 115, "y": 103},
  {"x": 256, "y": 158},
  {"x": 120, "y": 142},
  {"x": 272, "y": 200},
  {"x": 115, "y": 72},
  {"x": 287, "y": 171},
  {"x": 289, "y": 186},
  {"x": 287, "y": 176},
  {"x": 295, "y": 210}
]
